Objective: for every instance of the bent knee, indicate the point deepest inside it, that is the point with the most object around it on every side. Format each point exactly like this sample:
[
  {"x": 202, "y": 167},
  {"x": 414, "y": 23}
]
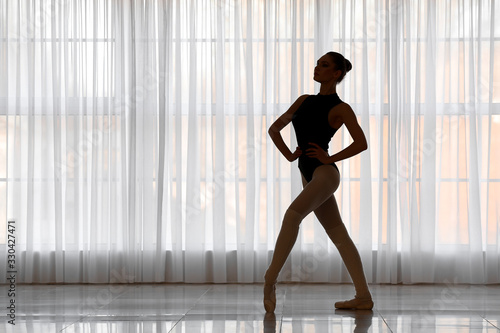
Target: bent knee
[{"x": 292, "y": 218}]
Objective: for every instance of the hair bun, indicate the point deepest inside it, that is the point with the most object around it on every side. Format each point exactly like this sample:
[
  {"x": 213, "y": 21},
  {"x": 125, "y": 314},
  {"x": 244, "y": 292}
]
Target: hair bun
[
  {"x": 341, "y": 63},
  {"x": 348, "y": 65}
]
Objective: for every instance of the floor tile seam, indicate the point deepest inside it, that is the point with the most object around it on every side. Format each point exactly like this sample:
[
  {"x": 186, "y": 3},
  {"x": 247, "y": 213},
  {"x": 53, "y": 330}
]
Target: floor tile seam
[
  {"x": 281, "y": 324},
  {"x": 87, "y": 315},
  {"x": 69, "y": 326},
  {"x": 199, "y": 299},
  {"x": 489, "y": 322},
  {"x": 472, "y": 312},
  {"x": 483, "y": 317},
  {"x": 284, "y": 306},
  {"x": 176, "y": 323},
  {"x": 384, "y": 320},
  {"x": 96, "y": 309},
  {"x": 189, "y": 310}
]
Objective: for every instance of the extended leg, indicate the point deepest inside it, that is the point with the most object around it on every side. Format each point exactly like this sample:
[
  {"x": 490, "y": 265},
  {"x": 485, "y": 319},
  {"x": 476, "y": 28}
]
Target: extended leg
[
  {"x": 284, "y": 244},
  {"x": 321, "y": 187},
  {"x": 323, "y": 184}
]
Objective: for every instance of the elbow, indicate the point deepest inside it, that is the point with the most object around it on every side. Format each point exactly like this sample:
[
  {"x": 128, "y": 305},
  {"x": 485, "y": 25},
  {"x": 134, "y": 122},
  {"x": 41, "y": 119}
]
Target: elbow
[
  {"x": 271, "y": 131},
  {"x": 363, "y": 145}
]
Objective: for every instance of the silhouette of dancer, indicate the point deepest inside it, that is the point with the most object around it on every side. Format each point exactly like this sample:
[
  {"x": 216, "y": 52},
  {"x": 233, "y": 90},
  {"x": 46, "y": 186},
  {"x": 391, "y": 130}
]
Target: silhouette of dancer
[{"x": 315, "y": 119}]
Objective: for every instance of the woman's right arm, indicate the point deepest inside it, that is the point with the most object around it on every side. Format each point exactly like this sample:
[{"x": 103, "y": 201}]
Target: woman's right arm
[{"x": 279, "y": 124}]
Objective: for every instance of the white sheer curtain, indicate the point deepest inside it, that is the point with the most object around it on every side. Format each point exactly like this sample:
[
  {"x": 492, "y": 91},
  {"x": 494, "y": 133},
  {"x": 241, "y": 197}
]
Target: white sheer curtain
[{"x": 134, "y": 147}]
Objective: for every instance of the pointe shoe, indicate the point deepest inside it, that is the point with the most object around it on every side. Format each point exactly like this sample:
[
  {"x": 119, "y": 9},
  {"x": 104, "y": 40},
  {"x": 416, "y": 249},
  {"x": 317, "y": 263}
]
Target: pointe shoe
[
  {"x": 269, "y": 297},
  {"x": 356, "y": 304}
]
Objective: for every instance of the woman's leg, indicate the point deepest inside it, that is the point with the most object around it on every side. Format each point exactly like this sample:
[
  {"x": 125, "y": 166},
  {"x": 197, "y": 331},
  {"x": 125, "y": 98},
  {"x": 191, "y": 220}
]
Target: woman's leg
[
  {"x": 329, "y": 216},
  {"x": 324, "y": 182}
]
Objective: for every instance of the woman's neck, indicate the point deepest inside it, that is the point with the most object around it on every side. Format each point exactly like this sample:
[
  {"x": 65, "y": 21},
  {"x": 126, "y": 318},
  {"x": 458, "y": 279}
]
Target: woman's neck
[{"x": 328, "y": 88}]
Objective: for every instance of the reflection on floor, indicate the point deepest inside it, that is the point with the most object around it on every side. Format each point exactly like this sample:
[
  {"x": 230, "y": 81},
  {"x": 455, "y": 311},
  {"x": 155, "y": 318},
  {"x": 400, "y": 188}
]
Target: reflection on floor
[{"x": 238, "y": 308}]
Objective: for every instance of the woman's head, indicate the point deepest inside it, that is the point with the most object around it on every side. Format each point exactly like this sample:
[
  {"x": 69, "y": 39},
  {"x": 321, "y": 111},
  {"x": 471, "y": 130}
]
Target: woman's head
[
  {"x": 332, "y": 65},
  {"x": 341, "y": 64}
]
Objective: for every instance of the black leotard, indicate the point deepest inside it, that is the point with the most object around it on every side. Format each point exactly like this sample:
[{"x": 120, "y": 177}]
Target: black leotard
[{"x": 310, "y": 122}]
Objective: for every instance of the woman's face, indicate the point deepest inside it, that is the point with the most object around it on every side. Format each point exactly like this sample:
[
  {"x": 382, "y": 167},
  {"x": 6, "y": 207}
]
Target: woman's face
[{"x": 325, "y": 70}]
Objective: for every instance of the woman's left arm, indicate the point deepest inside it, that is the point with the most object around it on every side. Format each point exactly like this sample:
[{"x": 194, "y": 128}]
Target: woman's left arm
[{"x": 357, "y": 146}]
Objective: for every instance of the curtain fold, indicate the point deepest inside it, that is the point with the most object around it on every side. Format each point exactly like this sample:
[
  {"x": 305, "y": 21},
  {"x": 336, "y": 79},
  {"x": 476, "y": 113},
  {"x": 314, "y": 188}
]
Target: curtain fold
[{"x": 134, "y": 146}]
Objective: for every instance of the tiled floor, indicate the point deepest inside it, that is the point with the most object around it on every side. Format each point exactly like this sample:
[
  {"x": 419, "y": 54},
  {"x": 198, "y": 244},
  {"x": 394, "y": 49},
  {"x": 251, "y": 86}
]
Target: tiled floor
[{"x": 238, "y": 308}]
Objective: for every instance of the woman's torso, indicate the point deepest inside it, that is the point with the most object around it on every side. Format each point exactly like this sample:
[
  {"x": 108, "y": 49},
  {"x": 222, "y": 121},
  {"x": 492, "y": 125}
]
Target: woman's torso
[{"x": 311, "y": 124}]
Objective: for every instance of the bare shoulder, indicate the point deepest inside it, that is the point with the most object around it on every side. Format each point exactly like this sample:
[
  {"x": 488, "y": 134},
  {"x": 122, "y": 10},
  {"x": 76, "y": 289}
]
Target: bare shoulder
[
  {"x": 341, "y": 114},
  {"x": 343, "y": 108},
  {"x": 301, "y": 99},
  {"x": 286, "y": 117},
  {"x": 298, "y": 102}
]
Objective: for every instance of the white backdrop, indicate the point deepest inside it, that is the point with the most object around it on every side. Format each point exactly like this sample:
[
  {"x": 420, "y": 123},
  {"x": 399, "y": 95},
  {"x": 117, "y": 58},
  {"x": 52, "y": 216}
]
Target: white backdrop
[{"x": 134, "y": 147}]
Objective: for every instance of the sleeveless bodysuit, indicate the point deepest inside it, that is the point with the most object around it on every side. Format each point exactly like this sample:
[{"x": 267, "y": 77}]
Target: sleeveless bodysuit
[{"x": 310, "y": 122}]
